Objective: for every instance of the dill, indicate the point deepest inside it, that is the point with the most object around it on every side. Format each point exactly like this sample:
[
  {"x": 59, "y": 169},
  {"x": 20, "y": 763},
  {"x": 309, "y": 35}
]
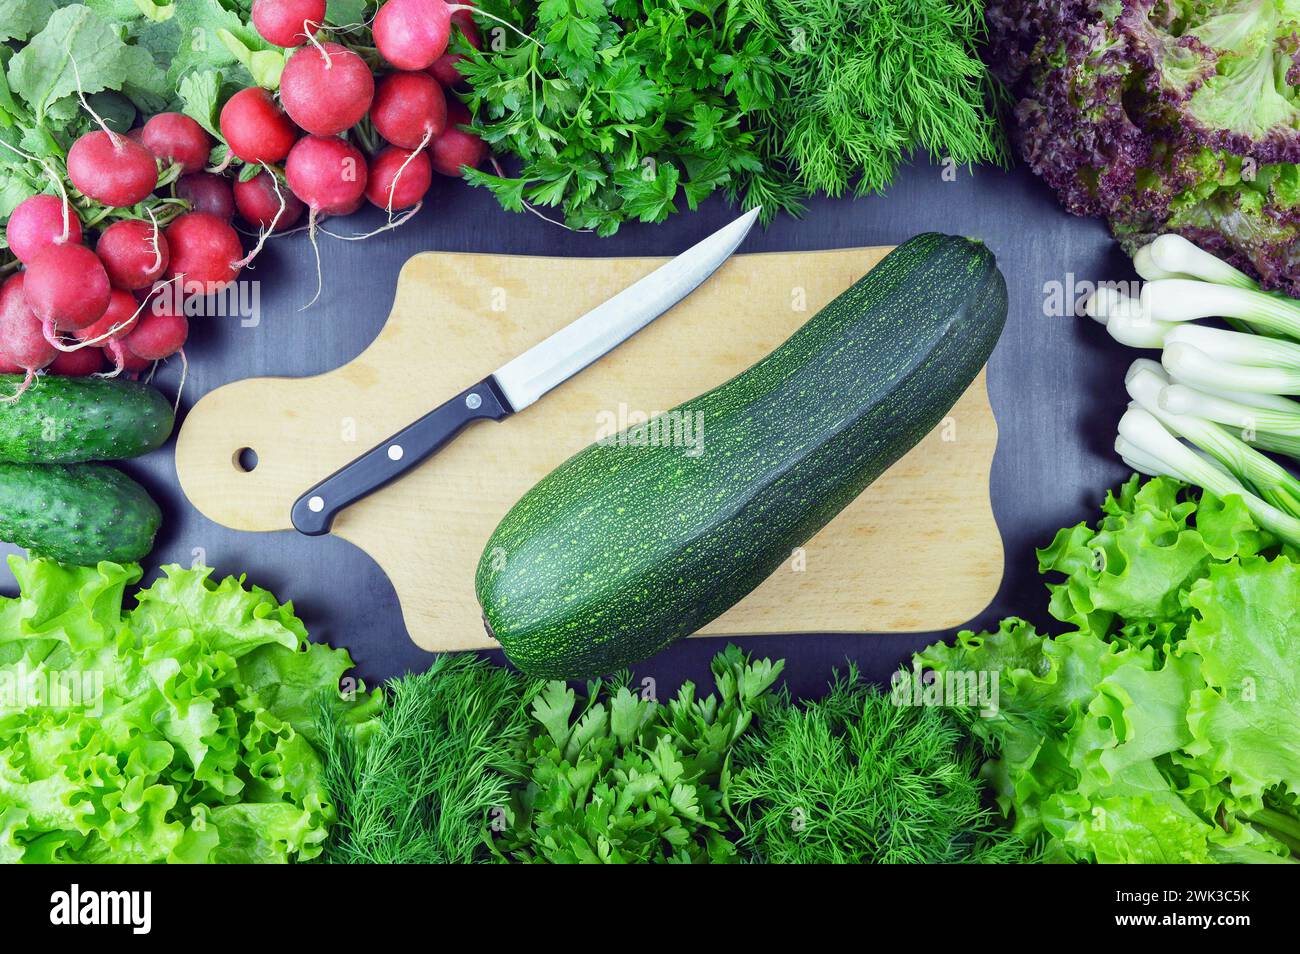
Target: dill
[
  {"x": 418, "y": 786},
  {"x": 855, "y": 778}
]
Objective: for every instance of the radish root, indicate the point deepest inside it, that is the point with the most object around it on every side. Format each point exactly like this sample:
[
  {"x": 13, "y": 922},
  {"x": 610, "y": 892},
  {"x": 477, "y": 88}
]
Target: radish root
[
  {"x": 22, "y": 388},
  {"x": 392, "y": 224},
  {"x": 115, "y": 138},
  {"x": 320, "y": 280},
  {"x": 264, "y": 234},
  {"x": 475, "y": 11},
  {"x": 157, "y": 244},
  {"x": 496, "y": 167}
]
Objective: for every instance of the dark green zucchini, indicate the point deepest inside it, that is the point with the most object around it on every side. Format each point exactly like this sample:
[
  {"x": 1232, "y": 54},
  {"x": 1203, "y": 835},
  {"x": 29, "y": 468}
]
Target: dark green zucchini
[
  {"x": 76, "y": 513},
  {"x": 632, "y": 544},
  {"x": 62, "y": 420}
]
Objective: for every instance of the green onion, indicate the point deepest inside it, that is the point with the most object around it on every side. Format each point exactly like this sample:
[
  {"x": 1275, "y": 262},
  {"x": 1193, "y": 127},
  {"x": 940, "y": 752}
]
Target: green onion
[
  {"x": 1174, "y": 256},
  {"x": 1191, "y": 365},
  {"x": 1182, "y": 299},
  {"x": 1145, "y": 383},
  {"x": 1235, "y": 347},
  {"x": 1142, "y": 430}
]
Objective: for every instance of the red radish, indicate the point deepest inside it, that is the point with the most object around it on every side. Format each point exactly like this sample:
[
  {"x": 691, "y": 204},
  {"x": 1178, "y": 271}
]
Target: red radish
[
  {"x": 22, "y": 338},
  {"x": 327, "y": 173},
  {"x": 119, "y": 319},
  {"x": 37, "y": 223},
  {"x": 259, "y": 203},
  {"x": 207, "y": 192},
  {"x": 205, "y": 250},
  {"x": 7, "y": 364},
  {"x": 174, "y": 137},
  {"x": 456, "y": 148},
  {"x": 255, "y": 128},
  {"x": 134, "y": 253},
  {"x": 77, "y": 364},
  {"x": 410, "y": 109},
  {"x": 411, "y": 34},
  {"x": 112, "y": 169},
  {"x": 67, "y": 287},
  {"x": 444, "y": 68},
  {"x": 326, "y": 89},
  {"x": 133, "y": 363},
  {"x": 393, "y": 182},
  {"x": 288, "y": 22},
  {"x": 160, "y": 333}
]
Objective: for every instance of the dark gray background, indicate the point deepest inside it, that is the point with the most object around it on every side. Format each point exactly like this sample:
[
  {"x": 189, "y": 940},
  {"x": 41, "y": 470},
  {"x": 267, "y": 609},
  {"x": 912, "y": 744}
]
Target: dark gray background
[{"x": 1055, "y": 382}]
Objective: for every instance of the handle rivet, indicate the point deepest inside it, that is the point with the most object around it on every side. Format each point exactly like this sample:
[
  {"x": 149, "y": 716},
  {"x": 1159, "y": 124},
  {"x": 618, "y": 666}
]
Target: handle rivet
[
  {"x": 316, "y": 504},
  {"x": 395, "y": 451},
  {"x": 473, "y": 402}
]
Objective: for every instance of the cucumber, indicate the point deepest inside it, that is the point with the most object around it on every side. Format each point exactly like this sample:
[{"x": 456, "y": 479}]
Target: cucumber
[
  {"x": 76, "y": 513},
  {"x": 62, "y": 420},
  {"x": 632, "y": 544}
]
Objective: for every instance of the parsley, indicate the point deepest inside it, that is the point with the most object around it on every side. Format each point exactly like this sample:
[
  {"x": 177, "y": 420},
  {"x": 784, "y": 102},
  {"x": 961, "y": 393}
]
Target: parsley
[
  {"x": 617, "y": 778},
  {"x": 623, "y": 110},
  {"x": 629, "y": 110}
]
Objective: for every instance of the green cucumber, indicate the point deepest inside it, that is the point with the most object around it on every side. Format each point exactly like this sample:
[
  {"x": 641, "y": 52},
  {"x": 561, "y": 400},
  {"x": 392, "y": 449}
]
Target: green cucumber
[
  {"x": 633, "y": 543},
  {"x": 62, "y": 420},
  {"x": 76, "y": 513}
]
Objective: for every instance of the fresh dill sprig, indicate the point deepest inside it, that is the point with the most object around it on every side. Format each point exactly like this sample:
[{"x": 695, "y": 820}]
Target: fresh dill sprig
[
  {"x": 420, "y": 785},
  {"x": 864, "y": 83},
  {"x": 855, "y": 778}
]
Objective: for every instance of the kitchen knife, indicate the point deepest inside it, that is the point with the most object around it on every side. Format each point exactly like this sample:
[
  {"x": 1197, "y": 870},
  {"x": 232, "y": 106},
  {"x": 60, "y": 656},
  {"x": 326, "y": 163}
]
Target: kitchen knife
[{"x": 522, "y": 380}]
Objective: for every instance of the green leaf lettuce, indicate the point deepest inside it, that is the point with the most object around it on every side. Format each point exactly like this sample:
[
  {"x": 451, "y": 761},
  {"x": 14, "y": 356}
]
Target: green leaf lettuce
[{"x": 180, "y": 730}]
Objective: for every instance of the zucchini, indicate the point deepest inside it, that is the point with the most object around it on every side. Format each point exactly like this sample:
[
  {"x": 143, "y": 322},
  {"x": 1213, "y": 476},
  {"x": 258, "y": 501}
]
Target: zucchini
[
  {"x": 76, "y": 513},
  {"x": 632, "y": 544},
  {"x": 62, "y": 420}
]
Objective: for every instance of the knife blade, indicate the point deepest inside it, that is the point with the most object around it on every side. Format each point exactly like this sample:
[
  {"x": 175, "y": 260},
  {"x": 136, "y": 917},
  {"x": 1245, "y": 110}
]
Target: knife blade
[{"x": 521, "y": 381}]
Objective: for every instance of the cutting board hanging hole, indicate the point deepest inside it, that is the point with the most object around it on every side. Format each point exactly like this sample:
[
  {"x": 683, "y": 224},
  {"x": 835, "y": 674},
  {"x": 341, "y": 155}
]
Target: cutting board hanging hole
[{"x": 245, "y": 460}]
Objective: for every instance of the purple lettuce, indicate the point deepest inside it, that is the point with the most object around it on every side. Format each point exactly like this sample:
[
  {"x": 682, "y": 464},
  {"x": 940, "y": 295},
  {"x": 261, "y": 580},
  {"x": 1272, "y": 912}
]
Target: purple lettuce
[{"x": 1164, "y": 116}]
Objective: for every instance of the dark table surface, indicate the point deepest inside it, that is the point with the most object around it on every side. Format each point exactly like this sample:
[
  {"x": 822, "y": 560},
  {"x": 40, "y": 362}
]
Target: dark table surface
[{"x": 1055, "y": 382}]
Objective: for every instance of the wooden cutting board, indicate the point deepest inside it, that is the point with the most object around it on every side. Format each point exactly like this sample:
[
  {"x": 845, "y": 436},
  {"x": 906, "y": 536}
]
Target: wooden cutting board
[{"x": 918, "y": 551}]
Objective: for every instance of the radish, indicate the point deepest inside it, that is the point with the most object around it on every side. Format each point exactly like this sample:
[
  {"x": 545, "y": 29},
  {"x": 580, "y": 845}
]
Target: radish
[
  {"x": 134, "y": 253},
  {"x": 255, "y": 128},
  {"x": 207, "y": 192},
  {"x": 259, "y": 201},
  {"x": 77, "y": 364},
  {"x": 22, "y": 339},
  {"x": 67, "y": 288},
  {"x": 112, "y": 169},
  {"x": 456, "y": 148},
  {"x": 444, "y": 68},
  {"x": 174, "y": 137},
  {"x": 8, "y": 366},
  {"x": 327, "y": 173},
  {"x": 205, "y": 252},
  {"x": 409, "y": 109},
  {"x": 288, "y": 22},
  {"x": 119, "y": 319},
  {"x": 326, "y": 88},
  {"x": 37, "y": 223},
  {"x": 412, "y": 34},
  {"x": 133, "y": 363},
  {"x": 160, "y": 333},
  {"x": 398, "y": 178}
]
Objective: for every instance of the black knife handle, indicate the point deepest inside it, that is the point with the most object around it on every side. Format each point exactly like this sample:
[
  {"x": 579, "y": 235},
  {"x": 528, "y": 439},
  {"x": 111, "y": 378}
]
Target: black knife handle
[{"x": 314, "y": 511}]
